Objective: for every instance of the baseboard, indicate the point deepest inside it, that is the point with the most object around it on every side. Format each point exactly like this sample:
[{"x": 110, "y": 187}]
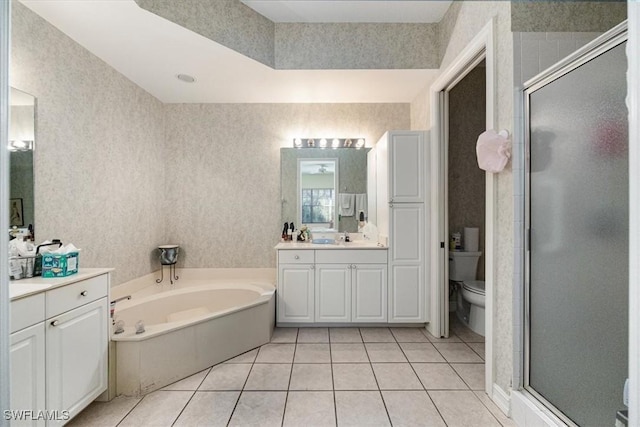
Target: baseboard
[
  {"x": 501, "y": 399},
  {"x": 527, "y": 412}
]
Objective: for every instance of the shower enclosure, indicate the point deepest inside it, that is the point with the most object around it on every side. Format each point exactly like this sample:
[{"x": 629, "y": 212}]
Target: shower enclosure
[{"x": 576, "y": 309}]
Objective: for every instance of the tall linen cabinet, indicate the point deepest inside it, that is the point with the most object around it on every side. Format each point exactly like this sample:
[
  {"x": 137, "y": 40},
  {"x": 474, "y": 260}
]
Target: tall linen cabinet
[{"x": 402, "y": 209}]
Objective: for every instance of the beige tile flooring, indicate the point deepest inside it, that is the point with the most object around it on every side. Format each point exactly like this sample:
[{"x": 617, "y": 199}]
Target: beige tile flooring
[{"x": 326, "y": 377}]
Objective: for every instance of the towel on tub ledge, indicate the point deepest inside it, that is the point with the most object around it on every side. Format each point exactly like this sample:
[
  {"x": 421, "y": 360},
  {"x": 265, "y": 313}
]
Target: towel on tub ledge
[
  {"x": 347, "y": 204},
  {"x": 361, "y": 204}
]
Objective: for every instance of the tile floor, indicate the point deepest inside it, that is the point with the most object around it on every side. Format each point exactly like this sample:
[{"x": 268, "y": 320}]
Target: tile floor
[{"x": 325, "y": 377}]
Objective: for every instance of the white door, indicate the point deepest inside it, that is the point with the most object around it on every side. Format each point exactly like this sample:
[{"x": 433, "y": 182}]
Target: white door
[
  {"x": 333, "y": 293},
  {"x": 27, "y": 372},
  {"x": 295, "y": 293},
  {"x": 76, "y": 364},
  {"x": 369, "y": 293},
  {"x": 406, "y": 167}
]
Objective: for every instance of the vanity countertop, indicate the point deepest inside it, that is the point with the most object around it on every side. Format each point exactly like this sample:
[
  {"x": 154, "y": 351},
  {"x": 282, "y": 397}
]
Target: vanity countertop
[
  {"x": 358, "y": 244},
  {"x": 33, "y": 285}
]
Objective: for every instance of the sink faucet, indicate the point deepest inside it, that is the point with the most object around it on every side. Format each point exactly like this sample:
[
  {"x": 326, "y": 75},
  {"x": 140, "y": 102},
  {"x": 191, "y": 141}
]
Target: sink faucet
[{"x": 346, "y": 237}]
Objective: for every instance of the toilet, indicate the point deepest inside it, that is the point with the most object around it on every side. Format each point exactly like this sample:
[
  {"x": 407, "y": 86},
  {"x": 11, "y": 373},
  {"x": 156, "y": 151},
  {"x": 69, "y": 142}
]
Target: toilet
[{"x": 462, "y": 270}]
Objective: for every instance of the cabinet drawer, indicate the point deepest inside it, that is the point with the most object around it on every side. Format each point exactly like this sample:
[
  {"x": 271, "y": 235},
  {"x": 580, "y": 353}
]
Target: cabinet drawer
[
  {"x": 27, "y": 311},
  {"x": 352, "y": 256},
  {"x": 301, "y": 256},
  {"x": 76, "y": 294}
]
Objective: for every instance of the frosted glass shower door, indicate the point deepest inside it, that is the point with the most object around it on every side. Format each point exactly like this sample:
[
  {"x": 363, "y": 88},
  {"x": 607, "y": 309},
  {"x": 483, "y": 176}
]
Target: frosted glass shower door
[{"x": 578, "y": 258}]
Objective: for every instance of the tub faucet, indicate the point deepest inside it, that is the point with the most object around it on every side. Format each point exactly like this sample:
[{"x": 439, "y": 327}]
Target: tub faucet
[{"x": 120, "y": 299}]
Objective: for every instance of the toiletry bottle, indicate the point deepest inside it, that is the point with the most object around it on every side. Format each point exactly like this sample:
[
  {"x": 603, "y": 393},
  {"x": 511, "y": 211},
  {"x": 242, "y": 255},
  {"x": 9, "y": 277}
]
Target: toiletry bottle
[
  {"x": 292, "y": 229},
  {"x": 284, "y": 232}
]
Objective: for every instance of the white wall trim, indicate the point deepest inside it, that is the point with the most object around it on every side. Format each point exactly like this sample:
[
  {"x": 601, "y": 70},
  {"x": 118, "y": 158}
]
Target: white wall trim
[
  {"x": 501, "y": 399},
  {"x": 483, "y": 42},
  {"x": 633, "y": 103},
  {"x": 5, "y": 36}
]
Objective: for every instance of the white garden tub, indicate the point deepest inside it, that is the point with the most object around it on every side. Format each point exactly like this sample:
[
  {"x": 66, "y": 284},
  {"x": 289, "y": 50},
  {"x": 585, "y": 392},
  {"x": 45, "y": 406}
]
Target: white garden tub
[{"x": 206, "y": 317}]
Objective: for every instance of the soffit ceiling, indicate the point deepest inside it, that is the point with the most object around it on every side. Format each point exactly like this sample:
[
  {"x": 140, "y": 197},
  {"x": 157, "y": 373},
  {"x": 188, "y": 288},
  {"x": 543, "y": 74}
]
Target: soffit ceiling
[
  {"x": 151, "y": 51},
  {"x": 324, "y": 11}
]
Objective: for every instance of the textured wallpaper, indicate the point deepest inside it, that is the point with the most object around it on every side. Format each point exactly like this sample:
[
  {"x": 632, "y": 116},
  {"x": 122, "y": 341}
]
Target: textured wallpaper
[
  {"x": 223, "y": 200},
  {"x": 98, "y": 163},
  {"x": 471, "y": 18},
  {"x": 565, "y": 16},
  {"x": 467, "y": 112},
  {"x": 356, "y": 46},
  {"x": 352, "y": 176},
  {"x": 228, "y": 22}
]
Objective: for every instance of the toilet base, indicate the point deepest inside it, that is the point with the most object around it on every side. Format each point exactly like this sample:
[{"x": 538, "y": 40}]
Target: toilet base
[{"x": 476, "y": 319}]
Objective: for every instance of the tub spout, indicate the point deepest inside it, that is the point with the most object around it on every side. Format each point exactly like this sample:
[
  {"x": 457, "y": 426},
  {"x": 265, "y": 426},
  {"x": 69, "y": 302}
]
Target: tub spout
[{"x": 120, "y": 299}]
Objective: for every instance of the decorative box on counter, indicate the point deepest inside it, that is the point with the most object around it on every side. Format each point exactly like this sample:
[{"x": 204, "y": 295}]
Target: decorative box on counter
[{"x": 59, "y": 265}]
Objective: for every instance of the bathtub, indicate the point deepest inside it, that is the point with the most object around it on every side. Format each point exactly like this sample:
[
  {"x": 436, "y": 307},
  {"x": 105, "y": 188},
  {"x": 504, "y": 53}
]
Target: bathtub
[{"x": 206, "y": 317}]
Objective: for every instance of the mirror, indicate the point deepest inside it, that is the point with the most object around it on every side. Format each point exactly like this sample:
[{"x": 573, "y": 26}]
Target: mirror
[
  {"x": 21, "y": 144},
  {"x": 317, "y": 182},
  {"x": 349, "y": 175}
]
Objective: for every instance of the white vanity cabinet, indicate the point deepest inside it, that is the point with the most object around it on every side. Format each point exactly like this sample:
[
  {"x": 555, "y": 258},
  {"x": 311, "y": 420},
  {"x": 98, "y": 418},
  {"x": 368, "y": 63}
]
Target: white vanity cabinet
[
  {"x": 332, "y": 285},
  {"x": 59, "y": 363},
  {"x": 296, "y": 287},
  {"x": 27, "y": 355},
  {"x": 77, "y": 343}
]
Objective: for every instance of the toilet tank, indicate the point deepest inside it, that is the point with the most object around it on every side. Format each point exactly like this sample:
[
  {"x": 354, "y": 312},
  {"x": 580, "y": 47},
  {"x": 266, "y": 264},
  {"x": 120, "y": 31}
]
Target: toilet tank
[{"x": 463, "y": 265}]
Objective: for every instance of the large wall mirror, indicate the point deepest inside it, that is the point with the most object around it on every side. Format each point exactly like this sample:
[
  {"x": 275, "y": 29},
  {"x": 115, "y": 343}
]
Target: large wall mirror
[
  {"x": 323, "y": 188},
  {"x": 21, "y": 145}
]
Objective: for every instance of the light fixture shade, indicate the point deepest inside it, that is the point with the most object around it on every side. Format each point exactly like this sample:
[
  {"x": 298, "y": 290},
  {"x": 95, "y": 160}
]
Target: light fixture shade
[{"x": 323, "y": 143}]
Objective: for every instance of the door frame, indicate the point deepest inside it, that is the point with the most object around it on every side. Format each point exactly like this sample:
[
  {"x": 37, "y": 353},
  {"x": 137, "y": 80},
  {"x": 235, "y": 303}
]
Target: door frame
[
  {"x": 5, "y": 341},
  {"x": 483, "y": 45}
]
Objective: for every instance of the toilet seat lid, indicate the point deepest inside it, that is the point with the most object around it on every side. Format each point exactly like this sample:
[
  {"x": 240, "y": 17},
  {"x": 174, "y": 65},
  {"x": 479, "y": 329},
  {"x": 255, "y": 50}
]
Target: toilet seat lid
[{"x": 476, "y": 286}]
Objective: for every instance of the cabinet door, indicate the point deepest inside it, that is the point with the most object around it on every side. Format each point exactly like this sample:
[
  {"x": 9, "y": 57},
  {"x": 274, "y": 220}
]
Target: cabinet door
[
  {"x": 406, "y": 240},
  {"x": 295, "y": 293},
  {"x": 406, "y": 167},
  {"x": 27, "y": 372},
  {"x": 406, "y": 294},
  {"x": 76, "y": 357},
  {"x": 333, "y": 293},
  {"x": 369, "y": 293}
]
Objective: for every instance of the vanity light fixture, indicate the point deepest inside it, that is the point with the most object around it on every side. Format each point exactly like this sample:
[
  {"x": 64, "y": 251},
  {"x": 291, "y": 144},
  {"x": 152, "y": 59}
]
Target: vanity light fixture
[
  {"x": 323, "y": 142},
  {"x": 186, "y": 78},
  {"x": 20, "y": 145}
]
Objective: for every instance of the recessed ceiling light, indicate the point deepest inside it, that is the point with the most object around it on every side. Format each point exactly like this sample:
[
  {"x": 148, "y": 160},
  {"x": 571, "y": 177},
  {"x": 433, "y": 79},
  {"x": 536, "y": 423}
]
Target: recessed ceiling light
[{"x": 186, "y": 78}]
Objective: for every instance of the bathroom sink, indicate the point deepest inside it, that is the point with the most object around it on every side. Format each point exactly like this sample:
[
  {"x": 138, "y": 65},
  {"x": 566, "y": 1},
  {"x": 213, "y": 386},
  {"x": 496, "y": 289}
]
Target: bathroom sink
[
  {"x": 324, "y": 241},
  {"x": 361, "y": 243}
]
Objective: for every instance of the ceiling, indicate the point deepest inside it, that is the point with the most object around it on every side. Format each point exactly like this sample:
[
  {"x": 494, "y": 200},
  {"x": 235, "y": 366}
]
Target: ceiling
[
  {"x": 350, "y": 10},
  {"x": 152, "y": 51}
]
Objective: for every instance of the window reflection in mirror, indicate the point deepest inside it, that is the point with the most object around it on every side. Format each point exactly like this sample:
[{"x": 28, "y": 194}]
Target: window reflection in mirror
[
  {"x": 350, "y": 177},
  {"x": 317, "y": 196},
  {"x": 21, "y": 144}
]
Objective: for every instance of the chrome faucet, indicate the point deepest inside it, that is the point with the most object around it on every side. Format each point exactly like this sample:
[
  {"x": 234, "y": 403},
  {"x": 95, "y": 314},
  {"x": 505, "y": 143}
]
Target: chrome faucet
[{"x": 121, "y": 299}]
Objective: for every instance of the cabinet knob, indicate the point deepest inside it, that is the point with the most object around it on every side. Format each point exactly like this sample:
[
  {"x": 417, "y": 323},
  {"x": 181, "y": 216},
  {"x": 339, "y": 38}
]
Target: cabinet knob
[
  {"x": 353, "y": 266},
  {"x": 84, "y": 293},
  {"x": 390, "y": 205},
  {"x": 312, "y": 267},
  {"x": 297, "y": 257},
  {"x": 55, "y": 323}
]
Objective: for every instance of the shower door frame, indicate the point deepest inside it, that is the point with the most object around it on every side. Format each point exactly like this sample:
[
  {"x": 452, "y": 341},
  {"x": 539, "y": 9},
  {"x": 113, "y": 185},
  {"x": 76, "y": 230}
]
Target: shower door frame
[{"x": 597, "y": 47}]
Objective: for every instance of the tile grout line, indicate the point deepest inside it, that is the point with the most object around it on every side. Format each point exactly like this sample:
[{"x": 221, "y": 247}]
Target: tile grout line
[
  {"x": 333, "y": 382},
  {"x": 129, "y": 412},
  {"x": 235, "y": 406},
  {"x": 293, "y": 360},
  {"x": 376, "y": 378},
  {"x": 193, "y": 393},
  {"x": 421, "y": 383},
  {"x": 490, "y": 411}
]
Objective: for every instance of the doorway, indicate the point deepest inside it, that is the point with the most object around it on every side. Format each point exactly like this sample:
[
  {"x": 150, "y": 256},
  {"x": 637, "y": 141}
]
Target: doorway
[{"x": 465, "y": 104}]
